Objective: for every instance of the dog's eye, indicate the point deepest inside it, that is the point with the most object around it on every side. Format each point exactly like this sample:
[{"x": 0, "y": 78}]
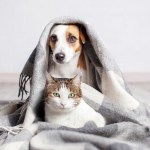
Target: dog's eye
[
  {"x": 53, "y": 38},
  {"x": 72, "y": 39}
]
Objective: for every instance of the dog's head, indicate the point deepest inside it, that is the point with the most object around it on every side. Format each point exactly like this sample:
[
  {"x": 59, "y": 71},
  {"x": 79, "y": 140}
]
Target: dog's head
[{"x": 65, "y": 42}]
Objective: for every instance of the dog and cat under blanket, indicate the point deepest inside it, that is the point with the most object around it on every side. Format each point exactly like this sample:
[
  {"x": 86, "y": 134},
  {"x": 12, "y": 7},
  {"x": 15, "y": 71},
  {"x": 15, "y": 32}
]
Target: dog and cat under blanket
[{"x": 128, "y": 121}]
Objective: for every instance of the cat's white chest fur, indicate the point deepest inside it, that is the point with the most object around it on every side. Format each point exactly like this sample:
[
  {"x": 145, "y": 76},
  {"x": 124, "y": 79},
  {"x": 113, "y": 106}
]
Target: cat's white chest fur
[{"x": 77, "y": 118}]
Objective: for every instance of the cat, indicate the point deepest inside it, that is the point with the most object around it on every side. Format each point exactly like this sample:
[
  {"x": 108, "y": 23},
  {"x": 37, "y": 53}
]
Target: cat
[{"x": 64, "y": 104}]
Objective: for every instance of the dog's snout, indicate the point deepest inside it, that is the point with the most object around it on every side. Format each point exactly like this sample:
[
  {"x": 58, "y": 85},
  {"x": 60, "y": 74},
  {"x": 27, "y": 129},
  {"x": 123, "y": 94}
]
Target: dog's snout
[{"x": 60, "y": 57}]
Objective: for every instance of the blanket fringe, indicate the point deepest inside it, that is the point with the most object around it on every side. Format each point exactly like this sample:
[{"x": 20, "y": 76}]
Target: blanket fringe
[
  {"x": 12, "y": 130},
  {"x": 23, "y": 79}
]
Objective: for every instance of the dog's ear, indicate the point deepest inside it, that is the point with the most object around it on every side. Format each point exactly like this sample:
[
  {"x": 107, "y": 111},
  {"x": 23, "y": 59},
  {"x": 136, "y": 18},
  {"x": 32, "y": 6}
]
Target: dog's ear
[
  {"x": 49, "y": 46},
  {"x": 82, "y": 36}
]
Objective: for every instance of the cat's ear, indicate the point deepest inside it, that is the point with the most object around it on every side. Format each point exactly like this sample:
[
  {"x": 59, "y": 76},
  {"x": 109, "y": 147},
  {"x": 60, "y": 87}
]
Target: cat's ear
[
  {"x": 77, "y": 80},
  {"x": 49, "y": 78}
]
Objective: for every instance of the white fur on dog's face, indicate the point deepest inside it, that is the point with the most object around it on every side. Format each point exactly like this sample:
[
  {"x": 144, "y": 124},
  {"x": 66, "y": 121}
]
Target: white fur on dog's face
[{"x": 63, "y": 33}]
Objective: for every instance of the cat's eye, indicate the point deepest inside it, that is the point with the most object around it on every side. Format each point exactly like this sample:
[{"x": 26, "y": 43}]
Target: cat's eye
[
  {"x": 71, "y": 95},
  {"x": 56, "y": 94}
]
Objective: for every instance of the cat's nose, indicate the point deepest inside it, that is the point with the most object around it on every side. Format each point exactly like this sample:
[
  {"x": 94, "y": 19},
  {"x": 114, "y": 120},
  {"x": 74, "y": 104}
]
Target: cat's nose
[{"x": 63, "y": 105}]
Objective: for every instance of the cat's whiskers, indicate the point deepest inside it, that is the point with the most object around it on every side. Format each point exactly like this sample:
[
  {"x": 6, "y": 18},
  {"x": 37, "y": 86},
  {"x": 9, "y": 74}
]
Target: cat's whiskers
[{"x": 76, "y": 103}]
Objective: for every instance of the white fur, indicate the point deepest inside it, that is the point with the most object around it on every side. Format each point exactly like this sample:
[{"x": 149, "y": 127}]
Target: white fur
[
  {"x": 68, "y": 69},
  {"x": 76, "y": 118},
  {"x": 61, "y": 44}
]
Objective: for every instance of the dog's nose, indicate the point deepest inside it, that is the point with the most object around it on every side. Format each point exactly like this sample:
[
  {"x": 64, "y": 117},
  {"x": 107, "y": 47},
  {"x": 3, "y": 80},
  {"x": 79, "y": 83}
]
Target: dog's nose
[{"x": 60, "y": 57}]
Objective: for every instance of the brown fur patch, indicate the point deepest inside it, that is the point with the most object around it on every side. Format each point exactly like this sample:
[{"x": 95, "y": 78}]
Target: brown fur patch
[
  {"x": 77, "y": 46},
  {"x": 81, "y": 61},
  {"x": 51, "y": 44},
  {"x": 74, "y": 30}
]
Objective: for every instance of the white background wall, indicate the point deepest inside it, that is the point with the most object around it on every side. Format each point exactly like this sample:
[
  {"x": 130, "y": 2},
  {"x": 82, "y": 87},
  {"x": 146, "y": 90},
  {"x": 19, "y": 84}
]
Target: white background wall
[{"x": 124, "y": 26}]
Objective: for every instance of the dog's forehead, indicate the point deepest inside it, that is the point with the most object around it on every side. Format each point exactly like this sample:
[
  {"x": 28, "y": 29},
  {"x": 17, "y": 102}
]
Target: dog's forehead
[
  {"x": 72, "y": 29},
  {"x": 58, "y": 28}
]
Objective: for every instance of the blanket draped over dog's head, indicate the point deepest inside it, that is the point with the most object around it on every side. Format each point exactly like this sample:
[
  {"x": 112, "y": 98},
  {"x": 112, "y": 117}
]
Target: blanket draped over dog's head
[
  {"x": 103, "y": 73},
  {"x": 106, "y": 92}
]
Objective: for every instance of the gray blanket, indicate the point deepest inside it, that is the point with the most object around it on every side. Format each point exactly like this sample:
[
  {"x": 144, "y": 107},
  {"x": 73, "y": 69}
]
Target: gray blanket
[{"x": 22, "y": 125}]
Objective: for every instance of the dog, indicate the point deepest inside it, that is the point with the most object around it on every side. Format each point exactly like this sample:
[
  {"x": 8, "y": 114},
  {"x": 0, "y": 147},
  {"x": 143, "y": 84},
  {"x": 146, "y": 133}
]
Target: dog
[{"x": 66, "y": 43}]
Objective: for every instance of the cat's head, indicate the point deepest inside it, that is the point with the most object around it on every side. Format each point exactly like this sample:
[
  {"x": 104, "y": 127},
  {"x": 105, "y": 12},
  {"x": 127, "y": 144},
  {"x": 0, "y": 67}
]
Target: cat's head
[{"x": 63, "y": 94}]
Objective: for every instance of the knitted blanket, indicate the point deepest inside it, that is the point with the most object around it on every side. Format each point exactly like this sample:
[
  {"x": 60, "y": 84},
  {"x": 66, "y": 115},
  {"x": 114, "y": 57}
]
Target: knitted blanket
[{"x": 22, "y": 125}]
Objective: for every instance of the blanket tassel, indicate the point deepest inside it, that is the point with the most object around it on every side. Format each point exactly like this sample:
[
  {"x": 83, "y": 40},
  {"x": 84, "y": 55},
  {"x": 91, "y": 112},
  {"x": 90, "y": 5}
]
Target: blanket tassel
[{"x": 23, "y": 79}]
